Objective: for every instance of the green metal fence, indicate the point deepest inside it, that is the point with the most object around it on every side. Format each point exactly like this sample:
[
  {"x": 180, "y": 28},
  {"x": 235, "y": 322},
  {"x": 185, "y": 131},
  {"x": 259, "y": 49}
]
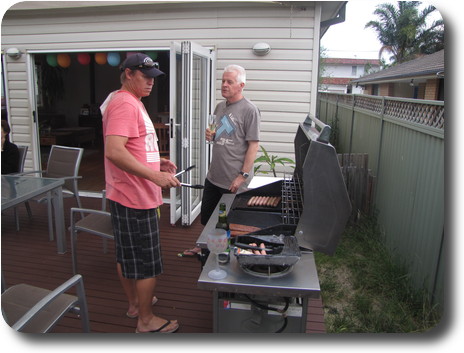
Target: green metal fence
[{"x": 404, "y": 139}]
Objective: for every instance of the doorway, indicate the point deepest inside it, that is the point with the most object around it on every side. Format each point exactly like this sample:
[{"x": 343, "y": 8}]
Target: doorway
[{"x": 70, "y": 89}]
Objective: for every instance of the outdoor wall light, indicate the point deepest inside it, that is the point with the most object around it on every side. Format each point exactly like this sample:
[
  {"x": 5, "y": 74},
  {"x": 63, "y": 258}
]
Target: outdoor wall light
[
  {"x": 261, "y": 49},
  {"x": 13, "y": 53},
  {"x": 411, "y": 83}
]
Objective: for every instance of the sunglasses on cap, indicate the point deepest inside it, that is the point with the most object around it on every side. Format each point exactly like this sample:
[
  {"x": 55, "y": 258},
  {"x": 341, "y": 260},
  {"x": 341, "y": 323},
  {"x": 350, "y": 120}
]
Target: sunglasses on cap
[{"x": 146, "y": 65}]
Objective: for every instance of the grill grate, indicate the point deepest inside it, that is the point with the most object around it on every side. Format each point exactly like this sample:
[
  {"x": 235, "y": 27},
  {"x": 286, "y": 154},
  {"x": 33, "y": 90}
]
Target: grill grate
[{"x": 292, "y": 200}]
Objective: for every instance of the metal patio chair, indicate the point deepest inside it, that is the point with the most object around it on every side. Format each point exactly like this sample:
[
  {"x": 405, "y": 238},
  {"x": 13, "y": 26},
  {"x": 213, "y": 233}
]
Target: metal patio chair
[
  {"x": 96, "y": 222},
  {"x": 22, "y": 160},
  {"x": 33, "y": 309},
  {"x": 63, "y": 162}
]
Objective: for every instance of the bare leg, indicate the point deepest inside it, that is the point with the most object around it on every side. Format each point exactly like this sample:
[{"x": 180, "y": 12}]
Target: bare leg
[
  {"x": 129, "y": 288},
  {"x": 147, "y": 320},
  {"x": 140, "y": 296}
]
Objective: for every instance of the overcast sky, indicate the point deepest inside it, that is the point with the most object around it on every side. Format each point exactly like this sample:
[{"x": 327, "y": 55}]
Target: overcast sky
[{"x": 350, "y": 39}]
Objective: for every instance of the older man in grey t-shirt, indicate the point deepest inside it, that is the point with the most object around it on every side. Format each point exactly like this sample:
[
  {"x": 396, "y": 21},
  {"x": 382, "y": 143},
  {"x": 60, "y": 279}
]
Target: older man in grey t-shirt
[{"x": 236, "y": 142}]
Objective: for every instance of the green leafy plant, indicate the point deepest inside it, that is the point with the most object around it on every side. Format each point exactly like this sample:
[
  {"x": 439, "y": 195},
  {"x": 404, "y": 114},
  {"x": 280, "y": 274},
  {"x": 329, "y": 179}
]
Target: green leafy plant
[{"x": 271, "y": 161}]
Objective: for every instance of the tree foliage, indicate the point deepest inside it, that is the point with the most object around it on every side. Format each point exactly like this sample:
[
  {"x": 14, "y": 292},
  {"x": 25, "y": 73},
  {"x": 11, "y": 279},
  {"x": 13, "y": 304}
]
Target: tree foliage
[{"x": 404, "y": 31}]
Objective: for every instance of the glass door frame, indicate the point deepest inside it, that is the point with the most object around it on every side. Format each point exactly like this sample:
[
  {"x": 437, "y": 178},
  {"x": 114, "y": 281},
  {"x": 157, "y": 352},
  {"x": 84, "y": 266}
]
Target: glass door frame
[{"x": 191, "y": 101}]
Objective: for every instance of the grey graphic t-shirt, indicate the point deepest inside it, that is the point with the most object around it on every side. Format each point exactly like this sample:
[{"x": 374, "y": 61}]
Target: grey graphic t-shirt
[{"x": 237, "y": 123}]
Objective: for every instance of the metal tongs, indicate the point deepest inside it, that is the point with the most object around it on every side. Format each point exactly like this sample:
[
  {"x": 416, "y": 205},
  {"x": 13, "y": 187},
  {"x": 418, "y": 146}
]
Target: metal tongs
[
  {"x": 185, "y": 170},
  {"x": 197, "y": 186},
  {"x": 251, "y": 247}
]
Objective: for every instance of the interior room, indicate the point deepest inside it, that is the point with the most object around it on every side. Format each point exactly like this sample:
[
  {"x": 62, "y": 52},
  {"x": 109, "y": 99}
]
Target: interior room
[{"x": 71, "y": 87}]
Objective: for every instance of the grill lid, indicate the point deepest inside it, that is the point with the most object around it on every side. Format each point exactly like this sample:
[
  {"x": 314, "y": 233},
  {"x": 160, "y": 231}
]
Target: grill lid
[{"x": 327, "y": 205}]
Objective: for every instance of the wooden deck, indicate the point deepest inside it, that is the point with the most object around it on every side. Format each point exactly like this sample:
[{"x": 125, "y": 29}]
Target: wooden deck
[{"x": 28, "y": 257}]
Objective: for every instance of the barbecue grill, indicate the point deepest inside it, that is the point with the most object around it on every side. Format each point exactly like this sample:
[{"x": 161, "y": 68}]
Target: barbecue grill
[
  {"x": 291, "y": 218},
  {"x": 314, "y": 206}
]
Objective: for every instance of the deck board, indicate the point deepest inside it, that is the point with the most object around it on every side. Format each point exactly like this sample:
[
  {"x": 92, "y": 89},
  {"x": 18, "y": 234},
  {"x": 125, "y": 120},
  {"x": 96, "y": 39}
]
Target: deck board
[{"x": 29, "y": 257}]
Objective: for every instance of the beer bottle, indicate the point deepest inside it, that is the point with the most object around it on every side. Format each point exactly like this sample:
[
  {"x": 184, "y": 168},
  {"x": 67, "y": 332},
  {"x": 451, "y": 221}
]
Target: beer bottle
[{"x": 222, "y": 222}]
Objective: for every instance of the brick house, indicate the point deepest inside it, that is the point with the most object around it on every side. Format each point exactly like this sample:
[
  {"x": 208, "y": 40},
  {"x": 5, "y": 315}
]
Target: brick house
[{"x": 421, "y": 78}]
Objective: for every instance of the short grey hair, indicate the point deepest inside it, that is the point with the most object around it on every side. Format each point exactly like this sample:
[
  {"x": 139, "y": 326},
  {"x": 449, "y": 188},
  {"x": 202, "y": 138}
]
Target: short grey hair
[{"x": 241, "y": 73}]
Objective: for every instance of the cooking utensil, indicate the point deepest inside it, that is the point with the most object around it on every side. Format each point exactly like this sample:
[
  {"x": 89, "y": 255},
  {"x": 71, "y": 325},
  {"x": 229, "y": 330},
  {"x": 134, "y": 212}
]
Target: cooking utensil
[
  {"x": 185, "y": 170},
  {"x": 197, "y": 186},
  {"x": 251, "y": 247}
]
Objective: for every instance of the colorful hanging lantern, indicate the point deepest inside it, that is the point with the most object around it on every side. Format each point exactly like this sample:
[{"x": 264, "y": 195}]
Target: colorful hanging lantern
[
  {"x": 83, "y": 58},
  {"x": 64, "y": 60},
  {"x": 100, "y": 58},
  {"x": 113, "y": 59},
  {"x": 51, "y": 60}
]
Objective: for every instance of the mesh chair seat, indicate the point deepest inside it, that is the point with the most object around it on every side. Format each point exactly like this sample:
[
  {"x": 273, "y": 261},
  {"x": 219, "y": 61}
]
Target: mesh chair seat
[
  {"x": 98, "y": 222},
  {"x": 33, "y": 309}
]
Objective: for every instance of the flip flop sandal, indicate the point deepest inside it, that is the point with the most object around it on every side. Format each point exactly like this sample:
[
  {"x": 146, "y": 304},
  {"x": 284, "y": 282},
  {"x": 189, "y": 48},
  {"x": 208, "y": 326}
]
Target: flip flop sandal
[
  {"x": 154, "y": 300},
  {"x": 158, "y": 330},
  {"x": 189, "y": 253}
]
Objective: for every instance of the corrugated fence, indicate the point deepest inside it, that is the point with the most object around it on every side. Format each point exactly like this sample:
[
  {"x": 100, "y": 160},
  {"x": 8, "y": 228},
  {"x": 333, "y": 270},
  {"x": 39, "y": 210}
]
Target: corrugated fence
[{"x": 404, "y": 139}]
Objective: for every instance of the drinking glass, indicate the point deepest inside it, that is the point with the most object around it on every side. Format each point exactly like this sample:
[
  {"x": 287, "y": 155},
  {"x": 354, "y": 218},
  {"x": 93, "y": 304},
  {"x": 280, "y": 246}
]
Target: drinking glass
[
  {"x": 217, "y": 243},
  {"x": 212, "y": 126}
]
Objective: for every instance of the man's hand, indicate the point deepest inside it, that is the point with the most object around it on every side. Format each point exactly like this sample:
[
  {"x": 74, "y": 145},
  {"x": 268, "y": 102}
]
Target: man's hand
[
  {"x": 168, "y": 166},
  {"x": 165, "y": 180},
  {"x": 236, "y": 183}
]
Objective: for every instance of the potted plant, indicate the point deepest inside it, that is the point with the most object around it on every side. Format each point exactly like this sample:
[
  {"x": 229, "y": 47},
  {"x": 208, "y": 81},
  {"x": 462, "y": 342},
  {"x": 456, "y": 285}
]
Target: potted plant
[{"x": 271, "y": 161}]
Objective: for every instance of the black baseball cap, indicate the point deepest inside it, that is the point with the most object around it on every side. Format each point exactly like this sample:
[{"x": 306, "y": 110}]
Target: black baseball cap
[{"x": 142, "y": 63}]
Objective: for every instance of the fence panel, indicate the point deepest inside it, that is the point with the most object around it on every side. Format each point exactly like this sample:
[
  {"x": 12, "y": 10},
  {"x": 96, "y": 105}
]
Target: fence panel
[{"x": 405, "y": 143}]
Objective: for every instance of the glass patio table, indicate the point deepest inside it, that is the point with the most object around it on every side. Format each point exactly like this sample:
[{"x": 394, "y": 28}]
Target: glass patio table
[{"x": 18, "y": 189}]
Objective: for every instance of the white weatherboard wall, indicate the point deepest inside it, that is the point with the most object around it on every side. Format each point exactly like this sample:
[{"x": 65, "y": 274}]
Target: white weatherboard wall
[{"x": 280, "y": 83}]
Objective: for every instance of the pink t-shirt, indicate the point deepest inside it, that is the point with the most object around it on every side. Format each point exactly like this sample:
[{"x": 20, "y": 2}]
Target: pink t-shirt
[{"x": 125, "y": 115}]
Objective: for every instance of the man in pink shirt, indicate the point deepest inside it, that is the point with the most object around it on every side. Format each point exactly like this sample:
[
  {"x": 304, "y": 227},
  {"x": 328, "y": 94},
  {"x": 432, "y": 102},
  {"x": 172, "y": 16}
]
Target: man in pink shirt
[{"x": 135, "y": 175}]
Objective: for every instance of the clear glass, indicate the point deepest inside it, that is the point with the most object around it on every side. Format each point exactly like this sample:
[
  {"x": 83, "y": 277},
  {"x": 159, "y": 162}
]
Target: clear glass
[
  {"x": 217, "y": 242},
  {"x": 212, "y": 125}
]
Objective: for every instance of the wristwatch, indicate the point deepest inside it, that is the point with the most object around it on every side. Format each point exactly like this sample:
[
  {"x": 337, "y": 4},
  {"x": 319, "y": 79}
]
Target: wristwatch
[{"x": 244, "y": 174}]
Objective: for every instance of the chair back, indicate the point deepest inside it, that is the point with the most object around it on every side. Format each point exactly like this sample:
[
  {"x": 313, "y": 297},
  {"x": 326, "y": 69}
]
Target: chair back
[
  {"x": 22, "y": 158},
  {"x": 162, "y": 132},
  {"x": 64, "y": 162}
]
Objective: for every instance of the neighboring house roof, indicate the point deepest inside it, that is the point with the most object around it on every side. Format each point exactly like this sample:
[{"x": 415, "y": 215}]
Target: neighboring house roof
[
  {"x": 336, "y": 80},
  {"x": 431, "y": 65},
  {"x": 348, "y": 61}
]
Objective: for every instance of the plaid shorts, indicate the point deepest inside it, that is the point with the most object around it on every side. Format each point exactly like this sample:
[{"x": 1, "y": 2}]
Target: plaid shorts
[{"x": 136, "y": 236}]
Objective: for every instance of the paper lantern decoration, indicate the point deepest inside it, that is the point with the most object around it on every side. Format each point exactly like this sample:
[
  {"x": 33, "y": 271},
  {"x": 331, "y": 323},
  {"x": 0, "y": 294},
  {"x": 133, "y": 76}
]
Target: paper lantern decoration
[
  {"x": 51, "y": 60},
  {"x": 113, "y": 59},
  {"x": 100, "y": 58},
  {"x": 64, "y": 60},
  {"x": 152, "y": 54},
  {"x": 83, "y": 58}
]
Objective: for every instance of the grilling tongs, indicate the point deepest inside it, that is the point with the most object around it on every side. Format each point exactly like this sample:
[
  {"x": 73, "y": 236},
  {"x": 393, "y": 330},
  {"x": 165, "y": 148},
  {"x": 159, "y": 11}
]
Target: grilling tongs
[
  {"x": 198, "y": 186},
  {"x": 185, "y": 170},
  {"x": 251, "y": 247}
]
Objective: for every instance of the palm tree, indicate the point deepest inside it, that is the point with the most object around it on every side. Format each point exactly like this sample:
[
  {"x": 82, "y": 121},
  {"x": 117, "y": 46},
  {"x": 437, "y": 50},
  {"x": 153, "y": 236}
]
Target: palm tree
[{"x": 404, "y": 32}]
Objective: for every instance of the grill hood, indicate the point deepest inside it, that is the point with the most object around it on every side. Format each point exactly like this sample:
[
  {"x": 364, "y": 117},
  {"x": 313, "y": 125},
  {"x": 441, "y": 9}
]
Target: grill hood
[{"x": 327, "y": 206}]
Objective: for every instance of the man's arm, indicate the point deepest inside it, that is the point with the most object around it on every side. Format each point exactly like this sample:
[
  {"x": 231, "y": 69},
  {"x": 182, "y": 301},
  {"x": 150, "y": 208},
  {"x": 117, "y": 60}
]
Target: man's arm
[{"x": 250, "y": 156}]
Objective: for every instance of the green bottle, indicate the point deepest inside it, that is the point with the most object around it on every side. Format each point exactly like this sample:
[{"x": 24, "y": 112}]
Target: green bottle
[{"x": 222, "y": 222}]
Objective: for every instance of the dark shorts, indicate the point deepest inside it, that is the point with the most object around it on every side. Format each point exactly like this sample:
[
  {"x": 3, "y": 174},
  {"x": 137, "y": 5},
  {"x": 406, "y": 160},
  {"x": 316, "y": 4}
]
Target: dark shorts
[{"x": 136, "y": 236}]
